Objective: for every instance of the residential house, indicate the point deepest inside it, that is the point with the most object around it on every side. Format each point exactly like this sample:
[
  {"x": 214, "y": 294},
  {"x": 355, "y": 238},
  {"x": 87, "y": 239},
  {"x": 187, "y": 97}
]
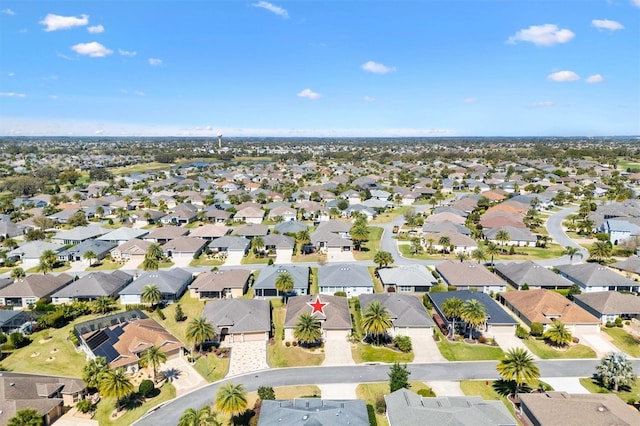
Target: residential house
[
  {"x": 595, "y": 277},
  {"x": 620, "y": 230},
  {"x": 290, "y": 228},
  {"x": 184, "y": 247},
  {"x": 458, "y": 243},
  {"x": 335, "y": 320},
  {"x": 352, "y": 279},
  {"x": 11, "y": 230},
  {"x": 251, "y": 230},
  {"x": 532, "y": 274},
  {"x": 547, "y": 306},
  {"x": 313, "y": 411},
  {"x": 407, "y": 279},
  {"x": 280, "y": 244},
  {"x": 47, "y": 395},
  {"x": 407, "y": 313},
  {"x": 332, "y": 237},
  {"x": 166, "y": 234},
  {"x": 93, "y": 286},
  {"x": 28, "y": 291},
  {"x": 520, "y": 237},
  {"x": 630, "y": 267},
  {"x": 239, "y": 320},
  {"x": 78, "y": 235},
  {"x": 265, "y": 285},
  {"x": 407, "y": 408},
  {"x": 609, "y": 305},
  {"x": 11, "y": 320},
  {"x": 29, "y": 253},
  {"x": 121, "y": 338},
  {"x": 285, "y": 213},
  {"x": 77, "y": 253},
  {"x": 172, "y": 284},
  {"x": 230, "y": 245},
  {"x": 562, "y": 408},
  {"x": 249, "y": 215},
  {"x": 133, "y": 249},
  {"x": 181, "y": 215},
  {"x": 470, "y": 275},
  {"x": 209, "y": 231},
  {"x": 227, "y": 283},
  {"x": 123, "y": 234},
  {"x": 217, "y": 215},
  {"x": 498, "y": 320}
]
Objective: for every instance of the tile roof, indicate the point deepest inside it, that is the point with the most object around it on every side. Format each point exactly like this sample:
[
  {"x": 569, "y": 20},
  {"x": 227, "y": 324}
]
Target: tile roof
[
  {"x": 467, "y": 274},
  {"x": 220, "y": 279}
]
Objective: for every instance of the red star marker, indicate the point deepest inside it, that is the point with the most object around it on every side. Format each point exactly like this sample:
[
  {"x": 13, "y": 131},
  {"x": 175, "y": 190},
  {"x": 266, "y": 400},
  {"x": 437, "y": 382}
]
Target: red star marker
[{"x": 318, "y": 305}]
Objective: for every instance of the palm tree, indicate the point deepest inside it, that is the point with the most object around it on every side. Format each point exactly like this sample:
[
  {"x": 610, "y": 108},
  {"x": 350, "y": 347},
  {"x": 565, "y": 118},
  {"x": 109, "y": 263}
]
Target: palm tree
[
  {"x": 558, "y": 334},
  {"x": 383, "y": 258},
  {"x": 103, "y": 304},
  {"x": 302, "y": 238},
  {"x": 150, "y": 294},
  {"x": 257, "y": 243},
  {"x": 201, "y": 417},
  {"x": 572, "y": 251},
  {"x": 518, "y": 366},
  {"x": 359, "y": 234},
  {"x": 431, "y": 240},
  {"x": 308, "y": 329},
  {"x": 150, "y": 264},
  {"x": 615, "y": 370},
  {"x": 89, "y": 255},
  {"x": 9, "y": 243},
  {"x": 93, "y": 370},
  {"x": 199, "y": 331},
  {"x": 474, "y": 314},
  {"x": 153, "y": 356},
  {"x": 18, "y": 273},
  {"x": 26, "y": 417},
  {"x": 503, "y": 236},
  {"x": 284, "y": 284},
  {"x": 462, "y": 256},
  {"x": 600, "y": 250},
  {"x": 452, "y": 308},
  {"x": 445, "y": 242},
  {"x": 492, "y": 250},
  {"x": 231, "y": 399},
  {"x": 376, "y": 320},
  {"x": 115, "y": 384},
  {"x": 48, "y": 260},
  {"x": 416, "y": 246},
  {"x": 479, "y": 254},
  {"x": 154, "y": 251}
]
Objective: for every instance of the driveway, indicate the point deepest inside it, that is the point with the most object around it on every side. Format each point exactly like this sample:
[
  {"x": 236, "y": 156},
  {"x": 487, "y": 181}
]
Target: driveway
[
  {"x": 182, "y": 375},
  {"x": 234, "y": 259},
  {"x": 182, "y": 261},
  {"x": 445, "y": 388},
  {"x": 599, "y": 342},
  {"x": 337, "y": 352},
  {"x": 283, "y": 257},
  {"x": 566, "y": 384},
  {"x": 338, "y": 391},
  {"x": 425, "y": 349},
  {"x": 340, "y": 256},
  {"x": 247, "y": 357},
  {"x": 508, "y": 340}
]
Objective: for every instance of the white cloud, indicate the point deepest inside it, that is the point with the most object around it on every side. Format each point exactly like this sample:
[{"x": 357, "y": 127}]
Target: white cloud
[
  {"x": 11, "y": 74},
  {"x": 562, "y": 76},
  {"x": 126, "y": 52},
  {"x": 636, "y": 3},
  {"x": 470, "y": 100},
  {"x": 92, "y": 49},
  {"x": 63, "y": 56},
  {"x": 12, "y": 95},
  {"x": 272, "y": 8},
  {"x": 377, "y": 68},
  {"x": 56, "y": 22},
  {"x": 53, "y": 96},
  {"x": 139, "y": 93},
  {"x": 309, "y": 94},
  {"x": 606, "y": 24},
  {"x": 155, "y": 62},
  {"x": 542, "y": 35},
  {"x": 543, "y": 104},
  {"x": 7, "y": 12},
  {"x": 595, "y": 78},
  {"x": 96, "y": 29},
  {"x": 369, "y": 99}
]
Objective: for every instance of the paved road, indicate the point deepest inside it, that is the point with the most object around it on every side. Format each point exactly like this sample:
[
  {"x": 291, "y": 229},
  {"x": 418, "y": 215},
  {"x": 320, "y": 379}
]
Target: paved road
[
  {"x": 170, "y": 412},
  {"x": 554, "y": 227}
]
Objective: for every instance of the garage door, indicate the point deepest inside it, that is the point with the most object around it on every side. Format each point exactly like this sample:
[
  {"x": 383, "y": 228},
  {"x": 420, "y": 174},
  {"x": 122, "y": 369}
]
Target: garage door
[
  {"x": 586, "y": 329},
  {"x": 337, "y": 334}
]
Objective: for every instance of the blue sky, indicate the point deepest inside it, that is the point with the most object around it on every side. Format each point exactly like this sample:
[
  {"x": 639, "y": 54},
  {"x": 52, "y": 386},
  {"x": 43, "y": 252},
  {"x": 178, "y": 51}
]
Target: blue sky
[{"x": 320, "y": 68}]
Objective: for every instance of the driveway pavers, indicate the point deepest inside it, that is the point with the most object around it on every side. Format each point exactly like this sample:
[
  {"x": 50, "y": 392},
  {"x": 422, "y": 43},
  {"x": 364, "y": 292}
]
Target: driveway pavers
[{"x": 246, "y": 357}]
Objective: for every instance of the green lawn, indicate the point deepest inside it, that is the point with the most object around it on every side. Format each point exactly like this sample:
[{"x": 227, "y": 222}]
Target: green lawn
[
  {"x": 485, "y": 390},
  {"x": 372, "y": 392},
  {"x": 544, "y": 351},
  {"x": 387, "y": 217},
  {"x": 252, "y": 259},
  {"x": 313, "y": 257},
  {"x": 624, "y": 341},
  {"x": 467, "y": 352},
  {"x": 377, "y": 284},
  {"x": 313, "y": 287},
  {"x": 107, "y": 406},
  {"x": 278, "y": 355},
  {"x": 371, "y": 246},
  {"x": 139, "y": 168},
  {"x": 63, "y": 267},
  {"x": 105, "y": 265},
  {"x": 166, "y": 264},
  {"x": 593, "y": 386},
  {"x": 370, "y": 353},
  {"x": 192, "y": 308},
  {"x": 534, "y": 253},
  {"x": 211, "y": 367},
  {"x": 204, "y": 260}
]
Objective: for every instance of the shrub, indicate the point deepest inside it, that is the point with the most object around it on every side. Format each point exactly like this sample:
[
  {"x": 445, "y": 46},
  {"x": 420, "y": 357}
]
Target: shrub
[
  {"x": 294, "y": 343},
  {"x": 270, "y": 262},
  {"x": 146, "y": 387},
  {"x": 18, "y": 340},
  {"x": 428, "y": 393},
  {"x": 482, "y": 339},
  {"x": 73, "y": 338},
  {"x": 340, "y": 294},
  {"x": 522, "y": 332},
  {"x": 84, "y": 406},
  {"x": 287, "y": 343},
  {"x": 512, "y": 250},
  {"x": 437, "y": 289},
  {"x": 266, "y": 392},
  {"x": 403, "y": 343},
  {"x": 452, "y": 288},
  {"x": 536, "y": 329},
  {"x": 3, "y": 338},
  {"x": 179, "y": 315},
  {"x": 609, "y": 324},
  {"x": 627, "y": 323},
  {"x": 618, "y": 322},
  {"x": 161, "y": 314},
  {"x": 426, "y": 301}
]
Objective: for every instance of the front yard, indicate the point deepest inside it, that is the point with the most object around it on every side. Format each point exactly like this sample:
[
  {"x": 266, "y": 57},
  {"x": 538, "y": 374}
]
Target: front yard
[
  {"x": 624, "y": 341},
  {"x": 625, "y": 393},
  {"x": 107, "y": 406},
  {"x": 545, "y": 351},
  {"x": 460, "y": 351},
  {"x": 371, "y": 246}
]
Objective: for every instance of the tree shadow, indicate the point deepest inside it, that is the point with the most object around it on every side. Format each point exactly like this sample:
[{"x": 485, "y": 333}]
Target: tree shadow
[
  {"x": 172, "y": 374},
  {"x": 243, "y": 419},
  {"x": 508, "y": 387}
]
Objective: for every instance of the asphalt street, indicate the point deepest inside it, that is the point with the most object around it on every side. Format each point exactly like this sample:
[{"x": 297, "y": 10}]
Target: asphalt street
[{"x": 170, "y": 412}]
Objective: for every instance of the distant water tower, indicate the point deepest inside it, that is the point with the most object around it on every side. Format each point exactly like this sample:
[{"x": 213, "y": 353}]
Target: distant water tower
[{"x": 219, "y": 140}]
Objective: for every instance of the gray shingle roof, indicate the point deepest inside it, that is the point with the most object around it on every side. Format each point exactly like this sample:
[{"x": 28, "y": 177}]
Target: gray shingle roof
[
  {"x": 313, "y": 412},
  {"x": 495, "y": 314},
  {"x": 230, "y": 243},
  {"x": 593, "y": 274},
  {"x": 268, "y": 275},
  {"x": 123, "y": 234},
  {"x": 350, "y": 275},
  {"x": 170, "y": 281},
  {"x": 408, "y": 275},
  {"x": 239, "y": 315},
  {"x": 36, "y": 285},
  {"x": 631, "y": 264},
  {"x": 610, "y": 302},
  {"x": 405, "y": 310},
  {"x": 99, "y": 248},
  {"x": 336, "y": 316},
  {"x": 96, "y": 284},
  {"x": 530, "y": 273}
]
